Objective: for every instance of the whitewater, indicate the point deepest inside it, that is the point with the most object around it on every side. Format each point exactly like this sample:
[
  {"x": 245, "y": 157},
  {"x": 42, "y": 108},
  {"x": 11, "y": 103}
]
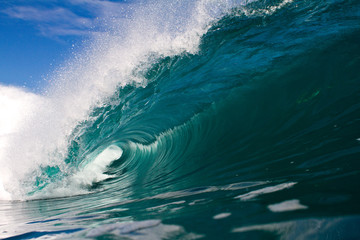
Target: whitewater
[{"x": 192, "y": 119}]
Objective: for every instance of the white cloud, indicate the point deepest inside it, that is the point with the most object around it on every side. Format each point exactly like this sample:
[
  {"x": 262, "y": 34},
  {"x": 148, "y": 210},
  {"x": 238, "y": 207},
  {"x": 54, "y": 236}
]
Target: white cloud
[
  {"x": 57, "y": 21},
  {"x": 54, "y": 15},
  {"x": 101, "y": 8}
]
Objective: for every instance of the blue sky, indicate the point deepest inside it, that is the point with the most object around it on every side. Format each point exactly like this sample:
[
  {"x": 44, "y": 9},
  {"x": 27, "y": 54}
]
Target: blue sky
[{"x": 37, "y": 36}]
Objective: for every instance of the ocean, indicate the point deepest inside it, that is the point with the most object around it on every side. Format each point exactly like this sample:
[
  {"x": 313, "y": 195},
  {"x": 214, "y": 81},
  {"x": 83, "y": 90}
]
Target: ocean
[{"x": 198, "y": 119}]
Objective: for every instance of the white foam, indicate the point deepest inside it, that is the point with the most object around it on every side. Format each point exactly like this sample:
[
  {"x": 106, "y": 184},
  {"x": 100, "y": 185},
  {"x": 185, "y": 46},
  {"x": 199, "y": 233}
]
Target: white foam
[
  {"x": 164, "y": 206},
  {"x": 269, "y": 10},
  {"x": 121, "y": 228},
  {"x": 266, "y": 190},
  {"x": 290, "y": 205},
  {"x": 16, "y": 105},
  {"x": 140, "y": 230},
  {"x": 94, "y": 171},
  {"x": 4, "y": 195},
  {"x": 221, "y": 215}
]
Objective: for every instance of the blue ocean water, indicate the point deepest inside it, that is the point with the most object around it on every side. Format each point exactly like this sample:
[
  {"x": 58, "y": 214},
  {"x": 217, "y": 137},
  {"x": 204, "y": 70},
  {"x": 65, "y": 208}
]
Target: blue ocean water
[{"x": 198, "y": 119}]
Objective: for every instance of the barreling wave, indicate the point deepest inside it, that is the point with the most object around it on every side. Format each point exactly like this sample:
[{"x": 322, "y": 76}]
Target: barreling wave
[
  {"x": 218, "y": 119},
  {"x": 114, "y": 60},
  {"x": 219, "y": 93}
]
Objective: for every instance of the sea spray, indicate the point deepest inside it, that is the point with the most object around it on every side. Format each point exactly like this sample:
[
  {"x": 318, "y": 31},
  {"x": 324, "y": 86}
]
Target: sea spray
[{"x": 16, "y": 107}]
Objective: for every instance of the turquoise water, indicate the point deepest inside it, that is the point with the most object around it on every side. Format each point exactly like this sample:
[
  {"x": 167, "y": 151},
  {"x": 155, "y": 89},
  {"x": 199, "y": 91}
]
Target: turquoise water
[{"x": 250, "y": 132}]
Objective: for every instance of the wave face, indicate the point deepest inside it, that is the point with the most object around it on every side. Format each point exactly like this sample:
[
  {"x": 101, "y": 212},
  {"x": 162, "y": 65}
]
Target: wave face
[{"x": 195, "y": 119}]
